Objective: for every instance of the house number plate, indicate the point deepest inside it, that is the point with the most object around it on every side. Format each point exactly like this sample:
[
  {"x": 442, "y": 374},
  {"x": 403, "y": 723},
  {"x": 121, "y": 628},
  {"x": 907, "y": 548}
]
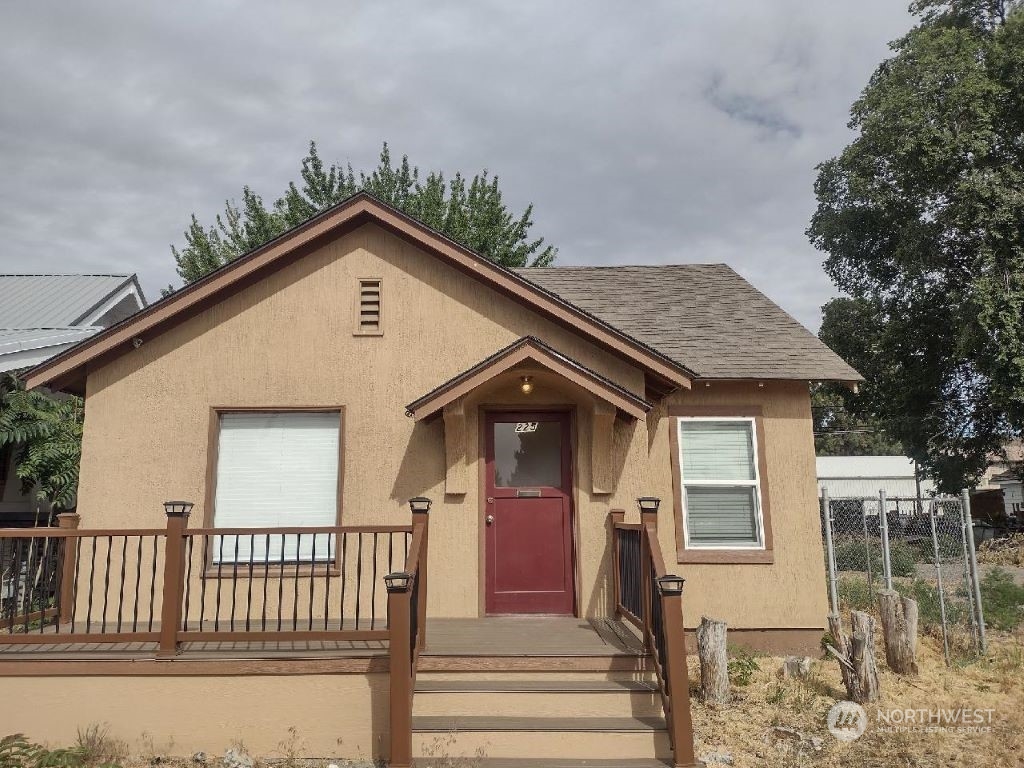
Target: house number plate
[{"x": 526, "y": 426}]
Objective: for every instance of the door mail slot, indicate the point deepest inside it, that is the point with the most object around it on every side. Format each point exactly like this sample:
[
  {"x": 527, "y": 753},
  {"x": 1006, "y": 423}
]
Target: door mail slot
[{"x": 528, "y": 493}]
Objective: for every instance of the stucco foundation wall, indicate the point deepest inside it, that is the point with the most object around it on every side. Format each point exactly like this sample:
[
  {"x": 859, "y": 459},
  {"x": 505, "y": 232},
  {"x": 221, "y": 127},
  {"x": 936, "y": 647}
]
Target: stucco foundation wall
[
  {"x": 333, "y": 715},
  {"x": 791, "y": 592},
  {"x": 288, "y": 341}
]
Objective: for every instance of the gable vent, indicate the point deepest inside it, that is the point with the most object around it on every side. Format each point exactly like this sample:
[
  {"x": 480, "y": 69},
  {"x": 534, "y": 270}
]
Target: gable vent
[{"x": 368, "y": 318}]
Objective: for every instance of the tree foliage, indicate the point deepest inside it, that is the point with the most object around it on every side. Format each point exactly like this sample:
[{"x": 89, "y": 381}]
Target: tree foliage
[
  {"x": 470, "y": 211},
  {"x": 45, "y": 435},
  {"x": 922, "y": 220},
  {"x": 838, "y": 432}
]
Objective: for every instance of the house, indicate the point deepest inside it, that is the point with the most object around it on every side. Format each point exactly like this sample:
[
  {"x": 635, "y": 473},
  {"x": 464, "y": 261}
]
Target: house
[
  {"x": 855, "y": 477},
  {"x": 40, "y": 316},
  {"x": 428, "y": 503}
]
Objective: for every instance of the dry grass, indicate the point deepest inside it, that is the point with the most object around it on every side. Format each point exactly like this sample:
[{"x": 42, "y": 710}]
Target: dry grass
[
  {"x": 745, "y": 728},
  {"x": 1008, "y": 550}
]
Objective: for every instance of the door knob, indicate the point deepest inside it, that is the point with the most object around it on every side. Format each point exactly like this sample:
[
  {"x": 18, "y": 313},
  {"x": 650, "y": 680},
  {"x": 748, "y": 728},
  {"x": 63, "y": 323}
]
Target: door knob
[{"x": 490, "y": 519}]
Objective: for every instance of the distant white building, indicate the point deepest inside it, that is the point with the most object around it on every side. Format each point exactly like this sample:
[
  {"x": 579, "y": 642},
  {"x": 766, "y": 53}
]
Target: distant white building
[
  {"x": 1013, "y": 494},
  {"x": 865, "y": 476}
]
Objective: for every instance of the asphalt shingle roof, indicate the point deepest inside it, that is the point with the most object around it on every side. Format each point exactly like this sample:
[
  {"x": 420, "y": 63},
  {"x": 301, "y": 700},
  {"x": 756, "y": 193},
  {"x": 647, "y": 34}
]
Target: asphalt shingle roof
[
  {"x": 53, "y": 301},
  {"x": 703, "y": 316}
]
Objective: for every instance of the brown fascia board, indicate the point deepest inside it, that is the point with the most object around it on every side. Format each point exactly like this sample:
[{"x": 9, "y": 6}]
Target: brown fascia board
[
  {"x": 522, "y": 350},
  {"x": 68, "y": 370}
]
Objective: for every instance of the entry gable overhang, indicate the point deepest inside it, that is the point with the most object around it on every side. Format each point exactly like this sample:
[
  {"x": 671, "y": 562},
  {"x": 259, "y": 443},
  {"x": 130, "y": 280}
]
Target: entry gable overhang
[
  {"x": 69, "y": 369},
  {"x": 533, "y": 350}
]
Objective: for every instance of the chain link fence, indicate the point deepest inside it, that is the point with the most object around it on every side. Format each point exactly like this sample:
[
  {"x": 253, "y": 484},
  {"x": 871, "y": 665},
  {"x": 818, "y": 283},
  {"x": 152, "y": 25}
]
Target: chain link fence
[{"x": 921, "y": 547}]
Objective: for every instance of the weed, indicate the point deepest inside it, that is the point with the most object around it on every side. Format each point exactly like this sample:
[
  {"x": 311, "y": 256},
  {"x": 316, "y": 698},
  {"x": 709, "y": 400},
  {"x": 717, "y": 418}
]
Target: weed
[
  {"x": 1002, "y": 600},
  {"x": 742, "y": 667}
]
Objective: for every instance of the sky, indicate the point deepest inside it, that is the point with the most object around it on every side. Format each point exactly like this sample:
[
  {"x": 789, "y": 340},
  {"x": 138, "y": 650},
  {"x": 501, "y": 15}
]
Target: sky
[{"x": 643, "y": 133}]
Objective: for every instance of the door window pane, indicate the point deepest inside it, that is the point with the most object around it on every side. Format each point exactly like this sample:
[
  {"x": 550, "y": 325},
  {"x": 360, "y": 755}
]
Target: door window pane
[{"x": 528, "y": 454}]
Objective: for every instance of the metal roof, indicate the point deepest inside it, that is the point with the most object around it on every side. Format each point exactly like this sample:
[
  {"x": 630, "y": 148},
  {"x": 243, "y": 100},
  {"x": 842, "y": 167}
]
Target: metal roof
[{"x": 53, "y": 301}]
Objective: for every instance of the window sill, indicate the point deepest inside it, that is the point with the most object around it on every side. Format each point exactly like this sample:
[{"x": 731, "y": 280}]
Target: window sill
[{"x": 726, "y": 556}]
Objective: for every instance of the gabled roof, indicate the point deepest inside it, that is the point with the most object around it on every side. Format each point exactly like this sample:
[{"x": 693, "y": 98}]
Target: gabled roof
[
  {"x": 57, "y": 301},
  {"x": 702, "y": 315},
  {"x": 520, "y": 351},
  {"x": 68, "y": 369}
]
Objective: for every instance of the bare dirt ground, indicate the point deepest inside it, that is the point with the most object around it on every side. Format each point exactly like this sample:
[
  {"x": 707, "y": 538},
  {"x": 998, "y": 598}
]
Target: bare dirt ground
[{"x": 746, "y": 729}]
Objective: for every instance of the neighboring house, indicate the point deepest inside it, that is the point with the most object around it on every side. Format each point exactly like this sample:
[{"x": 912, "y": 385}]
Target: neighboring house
[
  {"x": 361, "y": 361},
  {"x": 1013, "y": 495},
  {"x": 40, "y": 316},
  {"x": 851, "y": 477}
]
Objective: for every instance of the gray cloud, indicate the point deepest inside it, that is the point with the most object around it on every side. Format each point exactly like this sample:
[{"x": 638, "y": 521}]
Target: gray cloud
[{"x": 643, "y": 133}]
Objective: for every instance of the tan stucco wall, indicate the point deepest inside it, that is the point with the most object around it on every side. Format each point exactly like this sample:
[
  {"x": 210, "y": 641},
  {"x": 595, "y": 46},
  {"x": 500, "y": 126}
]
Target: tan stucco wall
[
  {"x": 288, "y": 341},
  {"x": 180, "y": 715},
  {"x": 791, "y": 591}
]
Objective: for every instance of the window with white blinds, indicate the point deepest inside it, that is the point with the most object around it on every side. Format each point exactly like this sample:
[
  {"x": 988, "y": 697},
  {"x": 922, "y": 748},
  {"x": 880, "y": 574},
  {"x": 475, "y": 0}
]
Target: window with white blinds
[
  {"x": 720, "y": 483},
  {"x": 276, "y": 470}
]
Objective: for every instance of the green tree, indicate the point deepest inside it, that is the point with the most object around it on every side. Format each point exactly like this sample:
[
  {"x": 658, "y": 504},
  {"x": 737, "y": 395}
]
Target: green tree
[
  {"x": 840, "y": 432},
  {"x": 922, "y": 220},
  {"x": 471, "y": 212},
  {"x": 44, "y": 434}
]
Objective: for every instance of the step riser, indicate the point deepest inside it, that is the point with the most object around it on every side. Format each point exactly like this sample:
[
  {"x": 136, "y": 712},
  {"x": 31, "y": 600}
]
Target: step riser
[
  {"x": 554, "y": 744},
  {"x": 537, "y": 704}
]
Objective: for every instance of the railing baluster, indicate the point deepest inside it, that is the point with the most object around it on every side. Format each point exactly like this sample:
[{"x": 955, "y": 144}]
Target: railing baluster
[
  {"x": 204, "y": 576},
  {"x": 120, "y": 593},
  {"x": 92, "y": 580},
  {"x": 331, "y": 554},
  {"x": 234, "y": 584},
  {"x": 280, "y": 583},
  {"x": 152, "y": 582},
  {"x": 344, "y": 553},
  {"x": 138, "y": 585},
  {"x": 74, "y": 599},
  {"x": 220, "y": 565},
  {"x": 266, "y": 580},
  {"x": 189, "y": 546},
  {"x": 312, "y": 580},
  {"x": 295, "y": 596},
  {"x": 359, "y": 575},
  {"x": 248, "y": 595}
]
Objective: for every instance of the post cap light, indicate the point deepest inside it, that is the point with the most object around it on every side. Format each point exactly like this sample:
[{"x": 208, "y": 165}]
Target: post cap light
[
  {"x": 398, "y": 582},
  {"x": 670, "y": 584},
  {"x": 178, "y": 508},
  {"x": 420, "y": 504},
  {"x": 649, "y": 503}
]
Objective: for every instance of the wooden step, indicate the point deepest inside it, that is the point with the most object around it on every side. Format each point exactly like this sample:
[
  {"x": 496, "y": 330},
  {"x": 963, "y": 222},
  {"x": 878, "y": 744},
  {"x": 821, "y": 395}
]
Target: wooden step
[
  {"x": 500, "y": 674},
  {"x": 533, "y": 685},
  {"x": 547, "y": 762},
  {"x": 575, "y": 738},
  {"x": 537, "y": 698}
]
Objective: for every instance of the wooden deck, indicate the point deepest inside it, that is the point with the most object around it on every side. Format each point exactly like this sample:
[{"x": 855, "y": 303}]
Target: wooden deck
[{"x": 496, "y": 637}]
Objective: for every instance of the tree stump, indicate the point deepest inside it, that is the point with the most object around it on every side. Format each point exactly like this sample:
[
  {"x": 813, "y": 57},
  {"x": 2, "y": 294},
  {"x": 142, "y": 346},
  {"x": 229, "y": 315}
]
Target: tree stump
[
  {"x": 796, "y": 666},
  {"x": 856, "y": 655},
  {"x": 714, "y": 661},
  {"x": 899, "y": 631}
]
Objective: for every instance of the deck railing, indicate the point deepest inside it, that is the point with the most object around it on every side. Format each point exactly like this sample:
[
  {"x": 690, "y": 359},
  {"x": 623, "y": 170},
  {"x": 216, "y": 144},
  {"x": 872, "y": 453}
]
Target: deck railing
[
  {"x": 650, "y": 598},
  {"x": 407, "y": 621},
  {"x": 176, "y": 584}
]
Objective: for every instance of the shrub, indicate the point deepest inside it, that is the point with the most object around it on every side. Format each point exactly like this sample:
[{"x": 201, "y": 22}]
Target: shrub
[
  {"x": 853, "y": 554},
  {"x": 742, "y": 667},
  {"x": 1002, "y": 600},
  {"x": 854, "y": 593}
]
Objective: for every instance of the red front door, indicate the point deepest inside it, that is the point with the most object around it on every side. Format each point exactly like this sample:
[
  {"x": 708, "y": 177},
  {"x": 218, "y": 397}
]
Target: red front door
[{"x": 528, "y": 513}]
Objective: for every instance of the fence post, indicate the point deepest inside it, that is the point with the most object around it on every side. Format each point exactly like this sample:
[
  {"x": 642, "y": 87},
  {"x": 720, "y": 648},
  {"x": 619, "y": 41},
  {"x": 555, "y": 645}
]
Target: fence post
[
  {"x": 830, "y": 552},
  {"x": 965, "y": 501},
  {"x": 399, "y": 627},
  {"x": 648, "y": 518},
  {"x": 883, "y": 522},
  {"x": 67, "y": 521},
  {"x": 174, "y": 569},
  {"x": 420, "y": 507}
]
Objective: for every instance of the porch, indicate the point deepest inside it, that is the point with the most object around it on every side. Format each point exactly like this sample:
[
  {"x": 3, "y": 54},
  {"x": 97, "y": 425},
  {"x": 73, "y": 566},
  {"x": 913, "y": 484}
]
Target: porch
[{"x": 352, "y": 600}]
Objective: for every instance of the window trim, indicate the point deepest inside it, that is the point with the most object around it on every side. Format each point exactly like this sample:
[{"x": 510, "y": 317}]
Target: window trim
[
  {"x": 209, "y": 513},
  {"x": 763, "y": 553}
]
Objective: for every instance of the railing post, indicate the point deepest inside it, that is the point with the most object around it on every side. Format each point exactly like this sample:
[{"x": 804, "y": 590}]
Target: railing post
[
  {"x": 399, "y": 609},
  {"x": 680, "y": 718},
  {"x": 174, "y": 569},
  {"x": 883, "y": 532},
  {"x": 615, "y": 517},
  {"x": 648, "y": 521},
  {"x": 420, "y": 507},
  {"x": 67, "y": 521}
]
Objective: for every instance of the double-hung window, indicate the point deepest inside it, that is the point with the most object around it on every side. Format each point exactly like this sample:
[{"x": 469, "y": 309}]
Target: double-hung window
[
  {"x": 720, "y": 483},
  {"x": 276, "y": 469}
]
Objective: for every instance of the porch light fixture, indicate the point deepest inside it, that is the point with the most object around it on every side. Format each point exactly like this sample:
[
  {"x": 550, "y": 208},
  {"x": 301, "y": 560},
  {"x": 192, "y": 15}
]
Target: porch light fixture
[
  {"x": 178, "y": 508},
  {"x": 398, "y": 582},
  {"x": 526, "y": 384},
  {"x": 670, "y": 584},
  {"x": 649, "y": 503},
  {"x": 419, "y": 504}
]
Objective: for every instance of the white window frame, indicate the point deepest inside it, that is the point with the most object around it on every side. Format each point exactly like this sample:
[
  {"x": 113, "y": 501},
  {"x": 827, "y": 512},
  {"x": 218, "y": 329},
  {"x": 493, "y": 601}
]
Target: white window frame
[{"x": 759, "y": 545}]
